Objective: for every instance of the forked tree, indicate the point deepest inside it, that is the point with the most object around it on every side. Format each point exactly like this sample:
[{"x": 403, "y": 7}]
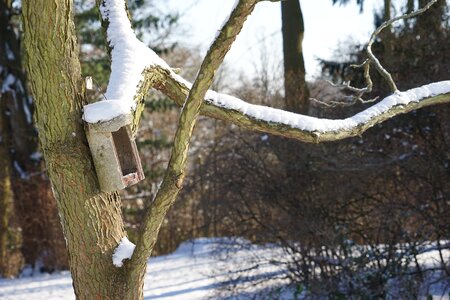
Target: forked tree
[{"x": 91, "y": 219}]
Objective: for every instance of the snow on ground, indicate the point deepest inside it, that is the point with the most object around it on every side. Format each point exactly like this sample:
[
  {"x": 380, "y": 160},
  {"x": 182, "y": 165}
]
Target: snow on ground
[
  {"x": 201, "y": 270},
  {"x": 193, "y": 271}
]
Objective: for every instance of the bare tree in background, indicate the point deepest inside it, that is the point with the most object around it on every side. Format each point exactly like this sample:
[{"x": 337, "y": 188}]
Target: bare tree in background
[{"x": 293, "y": 28}]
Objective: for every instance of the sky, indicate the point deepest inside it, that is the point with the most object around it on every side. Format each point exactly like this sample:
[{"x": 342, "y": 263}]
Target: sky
[{"x": 325, "y": 26}]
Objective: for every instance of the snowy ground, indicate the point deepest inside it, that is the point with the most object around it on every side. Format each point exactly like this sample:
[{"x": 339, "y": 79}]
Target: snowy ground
[{"x": 196, "y": 270}]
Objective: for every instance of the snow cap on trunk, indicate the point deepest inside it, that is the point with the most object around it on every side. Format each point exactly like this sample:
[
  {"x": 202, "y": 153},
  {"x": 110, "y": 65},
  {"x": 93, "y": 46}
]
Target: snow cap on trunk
[{"x": 123, "y": 251}]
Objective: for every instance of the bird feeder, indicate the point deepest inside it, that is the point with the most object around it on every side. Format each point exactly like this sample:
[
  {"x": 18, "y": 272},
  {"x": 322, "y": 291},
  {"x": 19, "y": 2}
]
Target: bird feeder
[{"x": 115, "y": 153}]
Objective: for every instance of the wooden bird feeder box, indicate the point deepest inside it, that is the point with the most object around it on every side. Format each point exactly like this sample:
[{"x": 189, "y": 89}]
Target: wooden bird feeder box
[{"x": 115, "y": 154}]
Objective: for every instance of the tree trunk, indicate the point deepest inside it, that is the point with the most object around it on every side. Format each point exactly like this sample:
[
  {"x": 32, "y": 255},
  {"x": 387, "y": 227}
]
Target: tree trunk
[
  {"x": 8, "y": 265},
  {"x": 388, "y": 36},
  {"x": 387, "y": 12},
  {"x": 92, "y": 220},
  {"x": 409, "y": 6},
  {"x": 35, "y": 207},
  {"x": 5, "y": 176},
  {"x": 296, "y": 91},
  {"x": 409, "y": 9}
]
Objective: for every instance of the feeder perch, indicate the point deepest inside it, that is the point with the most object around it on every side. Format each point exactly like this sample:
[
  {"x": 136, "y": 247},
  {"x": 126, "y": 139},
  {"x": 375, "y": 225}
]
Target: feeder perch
[{"x": 115, "y": 154}]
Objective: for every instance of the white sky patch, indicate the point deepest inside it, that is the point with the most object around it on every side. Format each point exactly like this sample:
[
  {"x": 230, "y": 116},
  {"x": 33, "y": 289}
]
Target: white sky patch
[
  {"x": 325, "y": 26},
  {"x": 10, "y": 80},
  {"x": 19, "y": 86},
  {"x": 9, "y": 53},
  {"x": 22, "y": 173},
  {"x": 123, "y": 251},
  {"x": 27, "y": 111},
  {"x": 36, "y": 156}
]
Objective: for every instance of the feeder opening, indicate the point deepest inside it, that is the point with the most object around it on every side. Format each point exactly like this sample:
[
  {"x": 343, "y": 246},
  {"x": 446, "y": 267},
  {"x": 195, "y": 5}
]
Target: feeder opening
[{"x": 125, "y": 151}]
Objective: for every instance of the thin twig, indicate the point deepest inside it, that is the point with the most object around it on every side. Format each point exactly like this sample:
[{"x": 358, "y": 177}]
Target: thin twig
[
  {"x": 372, "y": 59},
  {"x": 386, "y": 75}
]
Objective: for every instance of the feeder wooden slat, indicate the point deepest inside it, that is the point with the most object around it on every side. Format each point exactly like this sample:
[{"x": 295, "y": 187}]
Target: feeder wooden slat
[{"x": 115, "y": 154}]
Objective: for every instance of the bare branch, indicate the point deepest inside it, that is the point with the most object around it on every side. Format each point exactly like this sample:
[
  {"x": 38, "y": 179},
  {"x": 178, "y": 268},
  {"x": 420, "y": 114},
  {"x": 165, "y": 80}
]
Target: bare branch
[
  {"x": 174, "y": 176},
  {"x": 372, "y": 59},
  {"x": 358, "y": 92},
  {"x": 351, "y": 101},
  {"x": 386, "y": 75}
]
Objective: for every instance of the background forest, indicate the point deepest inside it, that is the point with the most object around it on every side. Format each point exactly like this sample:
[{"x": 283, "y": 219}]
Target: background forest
[{"x": 349, "y": 215}]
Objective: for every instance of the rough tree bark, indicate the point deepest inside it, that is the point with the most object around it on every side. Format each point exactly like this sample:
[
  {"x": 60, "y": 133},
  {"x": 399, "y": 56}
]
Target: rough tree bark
[
  {"x": 295, "y": 88},
  {"x": 6, "y": 197},
  {"x": 91, "y": 220},
  {"x": 6, "y": 194},
  {"x": 34, "y": 204}
]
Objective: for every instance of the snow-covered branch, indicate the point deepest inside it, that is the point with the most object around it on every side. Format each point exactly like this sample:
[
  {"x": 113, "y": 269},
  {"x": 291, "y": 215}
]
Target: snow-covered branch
[
  {"x": 136, "y": 69},
  {"x": 301, "y": 127}
]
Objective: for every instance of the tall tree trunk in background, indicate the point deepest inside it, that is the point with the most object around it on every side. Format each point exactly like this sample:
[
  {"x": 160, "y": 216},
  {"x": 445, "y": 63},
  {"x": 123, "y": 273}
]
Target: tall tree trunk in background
[
  {"x": 410, "y": 6},
  {"x": 92, "y": 220},
  {"x": 387, "y": 35},
  {"x": 5, "y": 175},
  {"x": 387, "y": 15},
  {"x": 430, "y": 26},
  {"x": 34, "y": 204},
  {"x": 5, "y": 192},
  {"x": 296, "y": 91},
  {"x": 387, "y": 11},
  {"x": 10, "y": 257},
  {"x": 409, "y": 9}
]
